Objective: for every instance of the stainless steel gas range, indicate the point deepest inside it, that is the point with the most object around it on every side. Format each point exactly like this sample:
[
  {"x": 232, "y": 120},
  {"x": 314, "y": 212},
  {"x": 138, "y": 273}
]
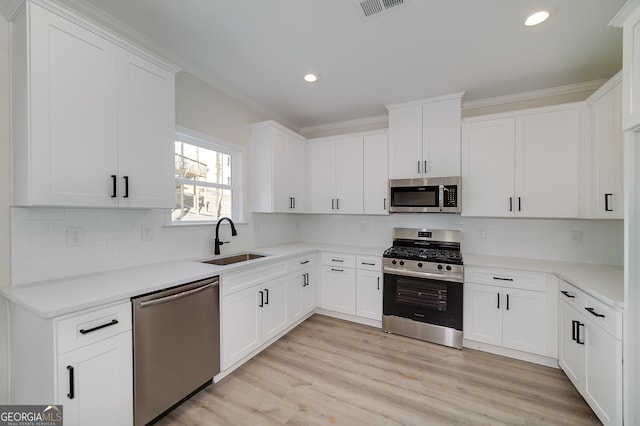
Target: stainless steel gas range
[{"x": 423, "y": 276}]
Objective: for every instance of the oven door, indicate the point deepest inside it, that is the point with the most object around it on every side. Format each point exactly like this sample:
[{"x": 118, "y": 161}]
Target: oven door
[{"x": 421, "y": 299}]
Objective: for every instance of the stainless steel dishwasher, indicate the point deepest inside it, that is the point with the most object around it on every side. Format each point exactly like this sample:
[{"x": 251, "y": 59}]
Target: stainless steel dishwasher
[{"x": 176, "y": 346}]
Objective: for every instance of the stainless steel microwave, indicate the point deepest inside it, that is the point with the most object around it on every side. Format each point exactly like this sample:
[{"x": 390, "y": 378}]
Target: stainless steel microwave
[{"x": 426, "y": 195}]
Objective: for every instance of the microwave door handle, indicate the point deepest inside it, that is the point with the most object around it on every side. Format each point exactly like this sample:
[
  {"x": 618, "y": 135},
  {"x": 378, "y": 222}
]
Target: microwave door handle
[{"x": 441, "y": 197}]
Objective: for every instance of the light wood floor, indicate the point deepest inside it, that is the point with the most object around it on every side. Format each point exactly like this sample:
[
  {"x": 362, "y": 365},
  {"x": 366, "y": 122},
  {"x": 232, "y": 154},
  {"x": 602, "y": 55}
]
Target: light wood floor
[{"x": 327, "y": 371}]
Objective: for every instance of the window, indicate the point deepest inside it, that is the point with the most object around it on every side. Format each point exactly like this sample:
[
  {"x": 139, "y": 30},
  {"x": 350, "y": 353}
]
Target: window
[{"x": 208, "y": 180}]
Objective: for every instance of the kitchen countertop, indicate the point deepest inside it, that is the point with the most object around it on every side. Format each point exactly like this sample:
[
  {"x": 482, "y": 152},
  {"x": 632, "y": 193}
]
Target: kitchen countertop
[
  {"x": 604, "y": 282},
  {"x": 53, "y": 298}
]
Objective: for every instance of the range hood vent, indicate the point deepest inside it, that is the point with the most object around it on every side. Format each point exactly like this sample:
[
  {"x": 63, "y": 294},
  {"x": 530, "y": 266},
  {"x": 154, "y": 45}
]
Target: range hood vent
[{"x": 369, "y": 9}]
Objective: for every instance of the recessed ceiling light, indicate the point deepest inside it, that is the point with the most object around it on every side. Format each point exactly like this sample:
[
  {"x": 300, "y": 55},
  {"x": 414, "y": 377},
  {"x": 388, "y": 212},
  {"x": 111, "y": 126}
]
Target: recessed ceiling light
[
  {"x": 536, "y": 18},
  {"x": 311, "y": 77}
]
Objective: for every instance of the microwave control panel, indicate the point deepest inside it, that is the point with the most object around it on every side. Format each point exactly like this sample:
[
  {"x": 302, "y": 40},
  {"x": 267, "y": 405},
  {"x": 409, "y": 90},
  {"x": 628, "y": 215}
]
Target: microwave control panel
[{"x": 451, "y": 196}]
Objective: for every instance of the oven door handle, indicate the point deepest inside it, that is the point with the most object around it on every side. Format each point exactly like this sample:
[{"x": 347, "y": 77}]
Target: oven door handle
[{"x": 405, "y": 273}]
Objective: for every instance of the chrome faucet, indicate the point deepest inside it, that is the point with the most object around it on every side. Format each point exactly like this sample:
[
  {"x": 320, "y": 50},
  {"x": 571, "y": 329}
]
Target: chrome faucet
[{"x": 218, "y": 243}]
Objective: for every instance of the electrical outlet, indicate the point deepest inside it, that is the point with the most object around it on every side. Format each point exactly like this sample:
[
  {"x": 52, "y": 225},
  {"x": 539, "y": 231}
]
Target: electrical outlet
[
  {"x": 75, "y": 236},
  {"x": 146, "y": 233},
  {"x": 576, "y": 237}
]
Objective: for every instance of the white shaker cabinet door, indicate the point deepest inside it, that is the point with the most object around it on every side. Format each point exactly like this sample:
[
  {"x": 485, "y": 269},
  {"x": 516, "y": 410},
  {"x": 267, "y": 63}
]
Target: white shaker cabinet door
[
  {"x": 369, "y": 295},
  {"x": 296, "y": 169},
  {"x": 339, "y": 289},
  {"x": 322, "y": 177},
  {"x": 349, "y": 175},
  {"x": 441, "y": 138},
  {"x": 405, "y": 142},
  {"x": 603, "y": 378},
  {"x": 73, "y": 114},
  {"x": 524, "y": 320},
  {"x": 376, "y": 176},
  {"x": 488, "y": 168},
  {"x": 482, "y": 319},
  {"x": 96, "y": 376},
  {"x": 147, "y": 134},
  {"x": 571, "y": 353},
  {"x": 547, "y": 180},
  {"x": 241, "y": 331},
  {"x": 274, "y": 307}
]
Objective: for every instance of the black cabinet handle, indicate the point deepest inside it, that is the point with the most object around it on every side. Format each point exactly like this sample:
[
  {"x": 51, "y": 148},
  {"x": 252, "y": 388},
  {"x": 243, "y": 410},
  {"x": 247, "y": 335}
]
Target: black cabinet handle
[
  {"x": 367, "y": 263},
  {"x": 418, "y": 166},
  {"x": 294, "y": 202},
  {"x": 337, "y": 260},
  {"x": 126, "y": 186},
  {"x": 510, "y": 204},
  {"x": 108, "y": 324},
  {"x": 378, "y": 283},
  {"x": 337, "y": 203},
  {"x": 574, "y": 323},
  {"x": 502, "y": 279},
  {"x": 266, "y": 290},
  {"x": 114, "y": 190},
  {"x": 337, "y": 270},
  {"x": 261, "y": 299},
  {"x": 384, "y": 204},
  {"x": 425, "y": 166},
  {"x": 290, "y": 202},
  {"x": 607, "y": 197},
  {"x": 519, "y": 204},
  {"x": 566, "y": 293},
  {"x": 594, "y": 313},
  {"x": 71, "y": 393},
  {"x": 578, "y": 333},
  {"x": 498, "y": 300},
  {"x": 507, "y": 302},
  {"x": 332, "y": 203},
  {"x": 304, "y": 262}
]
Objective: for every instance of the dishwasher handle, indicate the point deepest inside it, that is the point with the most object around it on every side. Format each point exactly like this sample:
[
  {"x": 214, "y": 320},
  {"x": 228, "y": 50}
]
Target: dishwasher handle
[{"x": 172, "y": 297}]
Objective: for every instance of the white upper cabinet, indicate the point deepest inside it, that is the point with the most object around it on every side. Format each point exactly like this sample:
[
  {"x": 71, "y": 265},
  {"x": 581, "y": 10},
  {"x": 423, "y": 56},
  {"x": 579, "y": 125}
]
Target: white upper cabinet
[
  {"x": 335, "y": 175},
  {"x": 424, "y": 138},
  {"x": 279, "y": 169},
  {"x": 92, "y": 122},
  {"x": 376, "y": 176},
  {"x": 524, "y": 164},
  {"x": 605, "y": 108},
  {"x": 629, "y": 19}
]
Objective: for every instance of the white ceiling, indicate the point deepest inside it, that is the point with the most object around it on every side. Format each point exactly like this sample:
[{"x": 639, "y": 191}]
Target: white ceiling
[{"x": 258, "y": 50}]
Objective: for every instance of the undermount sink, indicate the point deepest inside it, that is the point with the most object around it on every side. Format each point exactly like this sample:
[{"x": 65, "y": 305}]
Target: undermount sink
[{"x": 233, "y": 259}]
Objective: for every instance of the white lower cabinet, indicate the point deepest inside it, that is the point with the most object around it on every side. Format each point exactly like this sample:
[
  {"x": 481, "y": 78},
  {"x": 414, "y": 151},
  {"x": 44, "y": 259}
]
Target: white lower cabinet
[
  {"x": 591, "y": 352},
  {"x": 369, "y": 287},
  {"x": 82, "y": 361},
  {"x": 251, "y": 317},
  {"x": 511, "y": 309},
  {"x": 338, "y": 289},
  {"x": 301, "y": 288},
  {"x": 94, "y": 377}
]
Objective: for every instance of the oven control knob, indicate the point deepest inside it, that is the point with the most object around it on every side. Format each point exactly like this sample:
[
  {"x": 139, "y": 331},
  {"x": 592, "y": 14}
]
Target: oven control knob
[
  {"x": 448, "y": 268},
  {"x": 394, "y": 262},
  {"x": 401, "y": 262},
  {"x": 439, "y": 266},
  {"x": 419, "y": 265}
]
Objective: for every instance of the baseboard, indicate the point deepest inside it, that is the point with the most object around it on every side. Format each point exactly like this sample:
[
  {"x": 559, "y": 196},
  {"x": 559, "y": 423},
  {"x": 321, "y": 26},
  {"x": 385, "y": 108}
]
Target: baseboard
[{"x": 511, "y": 353}]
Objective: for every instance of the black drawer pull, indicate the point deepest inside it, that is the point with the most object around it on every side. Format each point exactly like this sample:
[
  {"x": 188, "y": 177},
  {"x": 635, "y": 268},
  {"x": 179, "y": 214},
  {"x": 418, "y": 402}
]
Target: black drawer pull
[
  {"x": 592, "y": 312},
  {"x": 304, "y": 262},
  {"x": 566, "y": 293},
  {"x": 369, "y": 264},
  {"x": 70, "y": 395},
  {"x": 109, "y": 324},
  {"x": 503, "y": 279},
  {"x": 337, "y": 270},
  {"x": 337, "y": 260}
]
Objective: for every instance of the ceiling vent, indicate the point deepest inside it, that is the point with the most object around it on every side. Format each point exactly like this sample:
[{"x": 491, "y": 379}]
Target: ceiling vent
[{"x": 369, "y": 9}]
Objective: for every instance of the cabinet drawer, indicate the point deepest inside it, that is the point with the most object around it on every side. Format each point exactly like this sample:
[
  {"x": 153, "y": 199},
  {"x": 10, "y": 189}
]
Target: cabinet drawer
[
  {"x": 609, "y": 319},
  {"x": 301, "y": 263},
  {"x": 369, "y": 263},
  {"x": 92, "y": 326},
  {"x": 339, "y": 259},
  {"x": 571, "y": 295},
  {"x": 525, "y": 280},
  {"x": 234, "y": 283}
]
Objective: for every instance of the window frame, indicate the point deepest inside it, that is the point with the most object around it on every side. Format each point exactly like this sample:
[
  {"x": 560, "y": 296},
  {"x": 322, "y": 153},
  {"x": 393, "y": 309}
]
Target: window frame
[{"x": 237, "y": 187}]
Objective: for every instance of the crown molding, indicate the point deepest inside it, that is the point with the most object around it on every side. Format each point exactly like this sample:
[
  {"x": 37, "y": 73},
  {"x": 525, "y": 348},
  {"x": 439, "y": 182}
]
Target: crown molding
[
  {"x": 10, "y": 8},
  {"x": 378, "y": 119},
  {"x": 624, "y": 13},
  {"x": 457, "y": 95},
  {"x": 535, "y": 94},
  {"x": 525, "y": 111},
  {"x": 606, "y": 87}
]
